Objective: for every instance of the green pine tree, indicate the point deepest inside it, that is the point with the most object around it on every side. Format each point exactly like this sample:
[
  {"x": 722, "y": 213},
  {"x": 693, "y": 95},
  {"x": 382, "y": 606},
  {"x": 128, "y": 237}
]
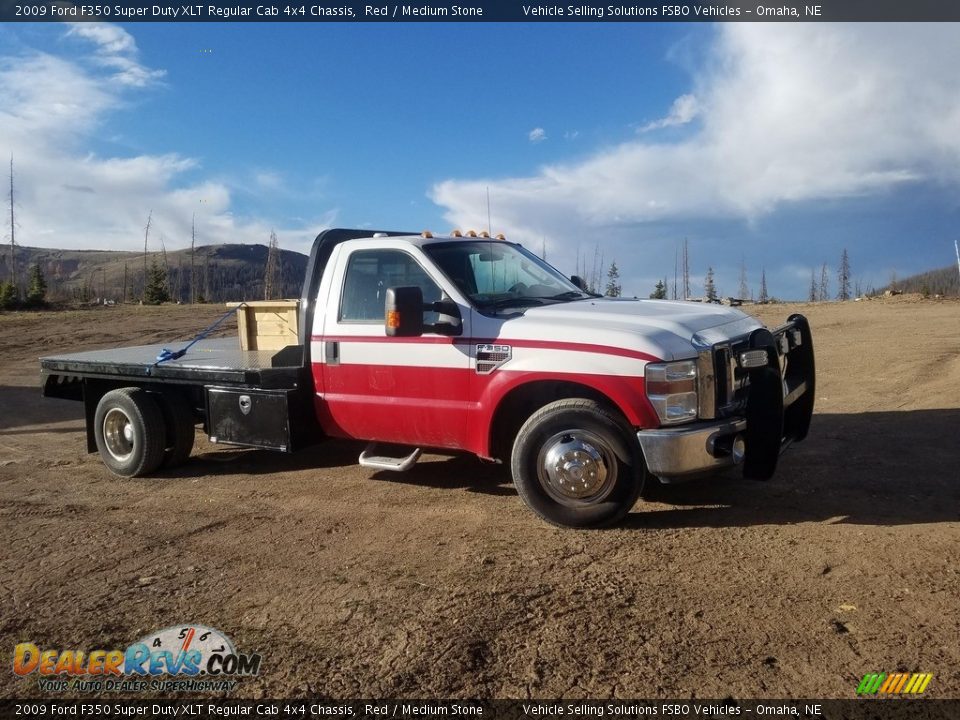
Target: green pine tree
[
  {"x": 613, "y": 286},
  {"x": 8, "y": 296},
  {"x": 156, "y": 291},
  {"x": 659, "y": 291},
  {"x": 37, "y": 289},
  {"x": 709, "y": 287}
]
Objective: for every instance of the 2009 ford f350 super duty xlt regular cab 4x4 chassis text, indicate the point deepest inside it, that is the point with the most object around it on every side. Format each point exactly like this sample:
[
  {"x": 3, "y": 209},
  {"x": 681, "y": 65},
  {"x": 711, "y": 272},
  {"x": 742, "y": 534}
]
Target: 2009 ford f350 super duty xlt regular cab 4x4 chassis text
[{"x": 471, "y": 344}]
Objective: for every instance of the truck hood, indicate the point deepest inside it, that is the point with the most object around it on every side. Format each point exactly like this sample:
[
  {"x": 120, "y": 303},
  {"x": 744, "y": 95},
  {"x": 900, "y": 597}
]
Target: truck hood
[{"x": 663, "y": 328}]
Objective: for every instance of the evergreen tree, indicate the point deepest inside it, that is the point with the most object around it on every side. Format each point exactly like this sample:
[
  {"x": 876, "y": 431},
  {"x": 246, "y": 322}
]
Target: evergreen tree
[
  {"x": 743, "y": 280},
  {"x": 8, "y": 296},
  {"x": 764, "y": 297},
  {"x": 613, "y": 275},
  {"x": 813, "y": 286},
  {"x": 659, "y": 291},
  {"x": 709, "y": 288},
  {"x": 37, "y": 289},
  {"x": 824, "y": 292},
  {"x": 156, "y": 291},
  {"x": 843, "y": 277}
]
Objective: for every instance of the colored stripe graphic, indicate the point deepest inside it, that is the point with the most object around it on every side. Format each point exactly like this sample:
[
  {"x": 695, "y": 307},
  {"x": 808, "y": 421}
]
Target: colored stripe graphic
[
  {"x": 871, "y": 683},
  {"x": 894, "y": 683}
]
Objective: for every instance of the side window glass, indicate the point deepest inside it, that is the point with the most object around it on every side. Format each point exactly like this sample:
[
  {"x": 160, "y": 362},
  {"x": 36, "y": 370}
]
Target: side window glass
[{"x": 370, "y": 273}]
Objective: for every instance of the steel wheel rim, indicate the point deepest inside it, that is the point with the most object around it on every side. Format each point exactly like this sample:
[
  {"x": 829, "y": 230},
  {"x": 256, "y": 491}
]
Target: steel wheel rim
[
  {"x": 118, "y": 434},
  {"x": 577, "y": 468}
]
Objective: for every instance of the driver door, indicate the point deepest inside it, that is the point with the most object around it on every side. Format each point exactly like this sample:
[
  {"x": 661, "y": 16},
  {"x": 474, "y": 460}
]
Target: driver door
[{"x": 408, "y": 390}]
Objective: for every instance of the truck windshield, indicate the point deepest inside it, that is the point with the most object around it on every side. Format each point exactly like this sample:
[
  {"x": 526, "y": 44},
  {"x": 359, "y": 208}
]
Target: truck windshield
[{"x": 495, "y": 274}]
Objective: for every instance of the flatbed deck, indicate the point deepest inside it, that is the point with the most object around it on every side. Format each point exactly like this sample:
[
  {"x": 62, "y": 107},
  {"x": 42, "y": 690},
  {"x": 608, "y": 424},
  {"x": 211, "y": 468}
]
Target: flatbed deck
[{"x": 217, "y": 360}]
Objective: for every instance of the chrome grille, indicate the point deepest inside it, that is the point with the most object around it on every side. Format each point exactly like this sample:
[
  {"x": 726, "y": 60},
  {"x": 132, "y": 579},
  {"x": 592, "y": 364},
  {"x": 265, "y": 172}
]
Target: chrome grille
[{"x": 722, "y": 384}]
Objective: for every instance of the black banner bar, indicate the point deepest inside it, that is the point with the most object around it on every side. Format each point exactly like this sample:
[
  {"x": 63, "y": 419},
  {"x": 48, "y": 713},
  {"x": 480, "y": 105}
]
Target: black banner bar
[
  {"x": 481, "y": 11},
  {"x": 893, "y": 708}
]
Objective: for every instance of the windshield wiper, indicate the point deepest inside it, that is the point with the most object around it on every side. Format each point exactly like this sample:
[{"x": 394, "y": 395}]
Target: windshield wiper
[
  {"x": 511, "y": 302},
  {"x": 571, "y": 295}
]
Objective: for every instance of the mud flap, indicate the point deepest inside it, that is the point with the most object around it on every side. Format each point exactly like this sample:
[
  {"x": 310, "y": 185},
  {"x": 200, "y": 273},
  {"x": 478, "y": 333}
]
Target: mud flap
[{"x": 764, "y": 413}]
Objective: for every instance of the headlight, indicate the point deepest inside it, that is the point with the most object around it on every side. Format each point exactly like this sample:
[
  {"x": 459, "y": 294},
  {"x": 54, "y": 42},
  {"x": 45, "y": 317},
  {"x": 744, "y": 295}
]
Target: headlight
[{"x": 672, "y": 390}]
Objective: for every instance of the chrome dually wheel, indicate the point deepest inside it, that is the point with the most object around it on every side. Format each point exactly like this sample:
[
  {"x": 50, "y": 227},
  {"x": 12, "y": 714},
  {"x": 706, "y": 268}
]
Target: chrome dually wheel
[
  {"x": 577, "y": 467},
  {"x": 577, "y": 463},
  {"x": 118, "y": 434},
  {"x": 130, "y": 432}
]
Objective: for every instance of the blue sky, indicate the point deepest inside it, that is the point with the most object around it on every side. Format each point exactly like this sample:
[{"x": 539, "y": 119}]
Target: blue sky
[{"x": 778, "y": 145}]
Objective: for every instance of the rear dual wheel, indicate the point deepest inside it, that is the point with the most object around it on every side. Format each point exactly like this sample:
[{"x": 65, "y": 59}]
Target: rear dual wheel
[
  {"x": 576, "y": 463},
  {"x": 130, "y": 432},
  {"x": 138, "y": 432}
]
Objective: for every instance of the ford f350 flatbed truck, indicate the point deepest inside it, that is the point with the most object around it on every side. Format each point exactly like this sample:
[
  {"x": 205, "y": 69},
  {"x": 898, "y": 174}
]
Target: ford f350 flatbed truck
[{"x": 469, "y": 343}]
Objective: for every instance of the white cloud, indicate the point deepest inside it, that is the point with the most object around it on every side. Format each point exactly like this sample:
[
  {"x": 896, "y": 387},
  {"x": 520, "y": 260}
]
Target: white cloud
[
  {"x": 117, "y": 50},
  {"x": 684, "y": 109},
  {"x": 536, "y": 135},
  {"x": 788, "y": 113},
  {"x": 69, "y": 197}
]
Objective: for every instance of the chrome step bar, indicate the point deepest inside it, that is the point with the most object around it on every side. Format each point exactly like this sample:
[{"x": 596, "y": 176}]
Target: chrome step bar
[{"x": 369, "y": 458}]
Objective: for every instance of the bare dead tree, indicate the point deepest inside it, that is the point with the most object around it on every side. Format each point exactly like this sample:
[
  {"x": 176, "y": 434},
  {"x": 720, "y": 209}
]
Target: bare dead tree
[
  {"x": 824, "y": 291},
  {"x": 271, "y": 276},
  {"x": 686, "y": 269},
  {"x": 14, "y": 280},
  {"x": 178, "y": 296},
  {"x": 763, "y": 297},
  {"x": 675, "y": 271},
  {"x": 193, "y": 250},
  {"x": 206, "y": 278},
  {"x": 146, "y": 238},
  {"x": 743, "y": 279},
  {"x": 843, "y": 277}
]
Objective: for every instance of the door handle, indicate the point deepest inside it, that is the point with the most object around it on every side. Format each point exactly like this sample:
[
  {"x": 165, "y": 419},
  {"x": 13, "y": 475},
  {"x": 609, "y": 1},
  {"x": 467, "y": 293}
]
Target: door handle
[{"x": 331, "y": 352}]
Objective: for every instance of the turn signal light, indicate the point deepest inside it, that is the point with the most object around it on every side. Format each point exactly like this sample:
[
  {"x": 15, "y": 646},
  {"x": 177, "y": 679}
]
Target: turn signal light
[
  {"x": 753, "y": 358},
  {"x": 393, "y": 319}
]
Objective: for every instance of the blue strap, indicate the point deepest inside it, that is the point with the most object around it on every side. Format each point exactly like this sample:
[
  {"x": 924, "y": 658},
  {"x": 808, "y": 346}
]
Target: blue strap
[{"x": 176, "y": 354}]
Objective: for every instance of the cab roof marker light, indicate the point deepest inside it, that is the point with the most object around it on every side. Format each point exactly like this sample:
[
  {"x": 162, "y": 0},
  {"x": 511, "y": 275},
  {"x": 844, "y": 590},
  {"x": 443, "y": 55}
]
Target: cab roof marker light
[
  {"x": 471, "y": 233},
  {"x": 379, "y": 235},
  {"x": 426, "y": 234},
  {"x": 484, "y": 234},
  {"x": 456, "y": 233},
  {"x": 501, "y": 236}
]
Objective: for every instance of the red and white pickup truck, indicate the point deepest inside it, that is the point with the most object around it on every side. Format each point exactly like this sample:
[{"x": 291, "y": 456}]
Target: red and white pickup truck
[{"x": 469, "y": 344}]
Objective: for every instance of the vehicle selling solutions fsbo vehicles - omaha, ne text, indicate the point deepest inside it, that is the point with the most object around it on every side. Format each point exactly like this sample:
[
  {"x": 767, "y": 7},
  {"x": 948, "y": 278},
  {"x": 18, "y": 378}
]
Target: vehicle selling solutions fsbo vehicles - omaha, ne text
[{"x": 469, "y": 344}]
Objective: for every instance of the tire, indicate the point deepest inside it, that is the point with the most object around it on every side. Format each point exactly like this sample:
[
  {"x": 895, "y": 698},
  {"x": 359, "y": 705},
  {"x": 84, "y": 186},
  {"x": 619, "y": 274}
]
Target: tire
[
  {"x": 598, "y": 490},
  {"x": 181, "y": 428},
  {"x": 130, "y": 432}
]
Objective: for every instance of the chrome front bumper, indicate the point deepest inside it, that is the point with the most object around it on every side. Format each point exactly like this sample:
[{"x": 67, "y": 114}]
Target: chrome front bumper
[{"x": 691, "y": 450}]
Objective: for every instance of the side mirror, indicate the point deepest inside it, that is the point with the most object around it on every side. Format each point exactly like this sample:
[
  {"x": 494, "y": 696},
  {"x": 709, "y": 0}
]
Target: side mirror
[
  {"x": 579, "y": 282},
  {"x": 403, "y": 312}
]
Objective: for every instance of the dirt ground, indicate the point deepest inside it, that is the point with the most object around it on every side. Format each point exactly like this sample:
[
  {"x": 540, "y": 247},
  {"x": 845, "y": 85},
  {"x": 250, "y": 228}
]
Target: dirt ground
[{"x": 439, "y": 582}]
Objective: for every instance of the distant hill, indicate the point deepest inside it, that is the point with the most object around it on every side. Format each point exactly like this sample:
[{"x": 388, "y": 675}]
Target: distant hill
[
  {"x": 945, "y": 281},
  {"x": 223, "y": 272}
]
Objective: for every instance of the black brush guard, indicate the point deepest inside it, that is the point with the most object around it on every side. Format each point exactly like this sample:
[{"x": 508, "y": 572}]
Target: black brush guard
[{"x": 781, "y": 395}]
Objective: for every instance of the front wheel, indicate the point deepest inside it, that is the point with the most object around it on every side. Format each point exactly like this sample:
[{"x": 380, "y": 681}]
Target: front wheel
[{"x": 576, "y": 464}]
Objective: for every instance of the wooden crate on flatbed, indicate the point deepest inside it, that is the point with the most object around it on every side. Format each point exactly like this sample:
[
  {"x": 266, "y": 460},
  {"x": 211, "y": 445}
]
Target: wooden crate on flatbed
[{"x": 268, "y": 324}]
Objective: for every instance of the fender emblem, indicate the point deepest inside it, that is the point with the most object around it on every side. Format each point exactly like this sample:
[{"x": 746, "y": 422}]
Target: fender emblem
[{"x": 490, "y": 357}]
